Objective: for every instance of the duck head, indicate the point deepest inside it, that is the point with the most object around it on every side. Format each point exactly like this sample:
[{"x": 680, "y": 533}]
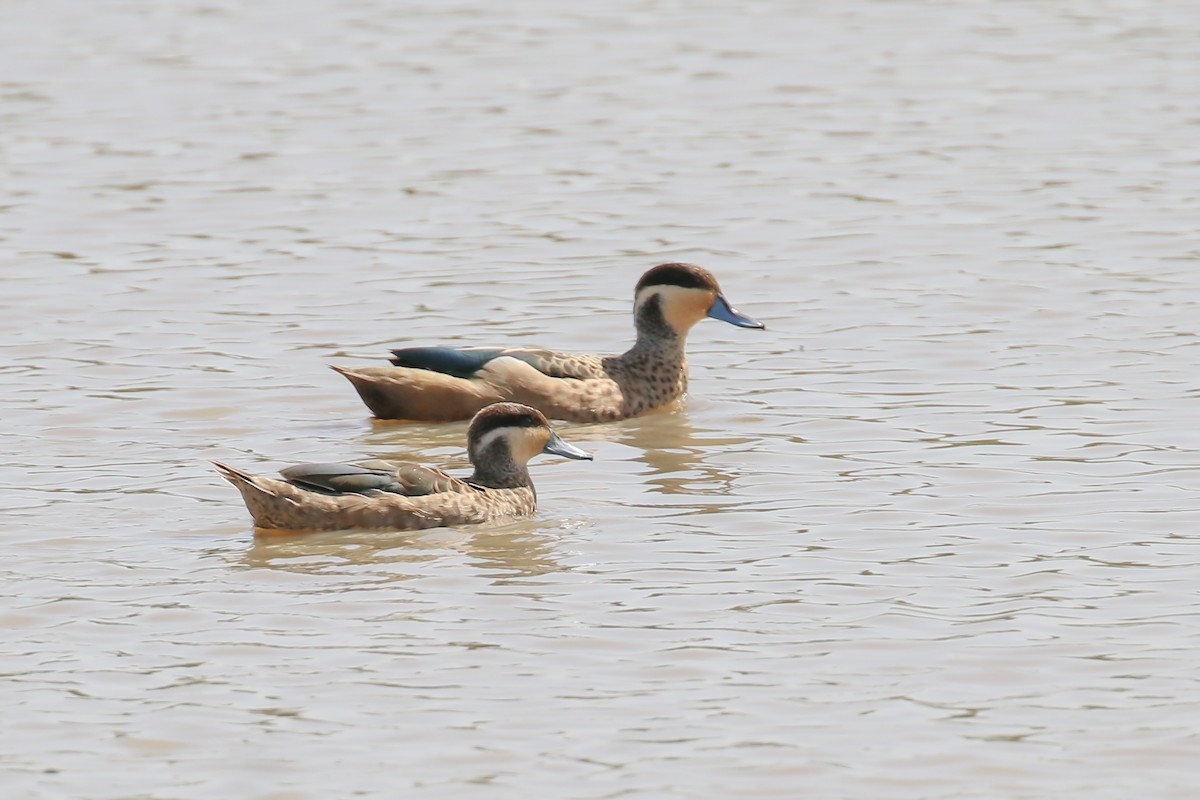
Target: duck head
[
  {"x": 504, "y": 436},
  {"x": 678, "y": 295}
]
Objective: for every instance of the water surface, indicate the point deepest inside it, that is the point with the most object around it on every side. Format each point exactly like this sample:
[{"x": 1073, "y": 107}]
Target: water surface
[{"x": 932, "y": 534}]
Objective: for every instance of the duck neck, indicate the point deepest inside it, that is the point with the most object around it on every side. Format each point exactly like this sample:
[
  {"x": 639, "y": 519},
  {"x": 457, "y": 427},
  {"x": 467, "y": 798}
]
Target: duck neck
[
  {"x": 657, "y": 344},
  {"x": 496, "y": 468}
]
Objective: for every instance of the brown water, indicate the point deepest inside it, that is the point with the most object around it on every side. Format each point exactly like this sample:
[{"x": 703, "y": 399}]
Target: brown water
[{"x": 932, "y": 535}]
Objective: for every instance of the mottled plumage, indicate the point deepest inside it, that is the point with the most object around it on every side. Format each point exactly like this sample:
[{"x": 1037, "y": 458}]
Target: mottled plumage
[
  {"x": 445, "y": 383},
  {"x": 380, "y": 495},
  {"x": 399, "y": 477}
]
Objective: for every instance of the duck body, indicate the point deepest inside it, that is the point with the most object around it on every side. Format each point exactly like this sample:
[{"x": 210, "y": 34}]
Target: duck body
[
  {"x": 447, "y": 383},
  {"x": 379, "y": 495},
  {"x": 285, "y": 505}
]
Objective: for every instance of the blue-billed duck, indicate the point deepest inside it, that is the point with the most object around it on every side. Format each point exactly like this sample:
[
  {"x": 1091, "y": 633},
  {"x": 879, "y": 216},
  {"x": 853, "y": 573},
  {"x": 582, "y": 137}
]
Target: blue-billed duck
[
  {"x": 380, "y": 495},
  {"x": 447, "y": 383}
]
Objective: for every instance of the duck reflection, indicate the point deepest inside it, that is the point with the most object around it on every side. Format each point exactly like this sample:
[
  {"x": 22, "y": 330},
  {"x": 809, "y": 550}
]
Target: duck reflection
[
  {"x": 679, "y": 454},
  {"x": 518, "y": 551}
]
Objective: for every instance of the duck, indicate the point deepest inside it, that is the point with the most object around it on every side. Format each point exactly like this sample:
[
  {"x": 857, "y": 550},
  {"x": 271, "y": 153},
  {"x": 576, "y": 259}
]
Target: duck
[
  {"x": 451, "y": 383},
  {"x": 380, "y": 495}
]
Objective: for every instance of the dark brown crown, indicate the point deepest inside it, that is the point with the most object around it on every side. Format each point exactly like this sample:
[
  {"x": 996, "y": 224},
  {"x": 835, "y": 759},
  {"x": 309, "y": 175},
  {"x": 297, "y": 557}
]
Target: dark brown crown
[
  {"x": 677, "y": 273},
  {"x": 504, "y": 415}
]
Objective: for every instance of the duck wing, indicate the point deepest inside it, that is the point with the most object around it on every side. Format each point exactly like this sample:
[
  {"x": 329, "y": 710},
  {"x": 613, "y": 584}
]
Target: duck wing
[
  {"x": 411, "y": 480},
  {"x": 464, "y": 362}
]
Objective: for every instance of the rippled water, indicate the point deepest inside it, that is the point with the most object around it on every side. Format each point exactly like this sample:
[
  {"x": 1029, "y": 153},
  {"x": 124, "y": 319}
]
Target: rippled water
[{"x": 933, "y": 534}]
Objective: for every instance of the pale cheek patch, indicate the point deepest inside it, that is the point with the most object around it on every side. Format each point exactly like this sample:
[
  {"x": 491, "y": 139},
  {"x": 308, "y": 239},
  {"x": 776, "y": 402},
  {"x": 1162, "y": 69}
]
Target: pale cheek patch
[
  {"x": 523, "y": 443},
  {"x": 682, "y": 308},
  {"x": 533, "y": 442},
  {"x": 489, "y": 438}
]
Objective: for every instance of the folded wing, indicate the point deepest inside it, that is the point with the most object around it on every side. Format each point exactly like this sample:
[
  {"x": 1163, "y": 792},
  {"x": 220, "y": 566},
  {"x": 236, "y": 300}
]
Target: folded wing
[
  {"x": 411, "y": 480},
  {"x": 464, "y": 362}
]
